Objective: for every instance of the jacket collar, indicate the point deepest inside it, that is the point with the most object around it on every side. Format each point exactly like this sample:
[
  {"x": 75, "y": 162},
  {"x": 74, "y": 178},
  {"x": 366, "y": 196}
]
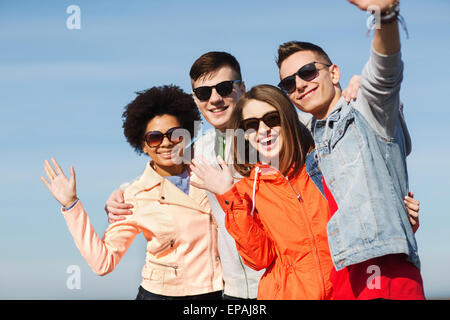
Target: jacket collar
[
  {"x": 334, "y": 114},
  {"x": 169, "y": 193},
  {"x": 266, "y": 172}
]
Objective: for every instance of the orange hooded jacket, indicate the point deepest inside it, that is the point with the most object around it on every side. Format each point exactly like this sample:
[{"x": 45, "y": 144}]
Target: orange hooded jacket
[{"x": 281, "y": 226}]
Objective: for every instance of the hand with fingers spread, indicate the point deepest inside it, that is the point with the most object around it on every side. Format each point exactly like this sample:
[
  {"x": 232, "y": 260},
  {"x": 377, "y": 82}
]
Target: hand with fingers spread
[
  {"x": 413, "y": 206},
  {"x": 63, "y": 190},
  {"x": 351, "y": 92},
  {"x": 116, "y": 208},
  {"x": 217, "y": 181}
]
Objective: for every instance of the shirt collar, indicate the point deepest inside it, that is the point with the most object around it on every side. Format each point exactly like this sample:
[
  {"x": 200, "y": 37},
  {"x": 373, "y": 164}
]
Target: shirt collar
[{"x": 169, "y": 193}]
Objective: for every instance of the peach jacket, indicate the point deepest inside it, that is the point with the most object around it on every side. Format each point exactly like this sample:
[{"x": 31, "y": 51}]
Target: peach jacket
[{"x": 181, "y": 257}]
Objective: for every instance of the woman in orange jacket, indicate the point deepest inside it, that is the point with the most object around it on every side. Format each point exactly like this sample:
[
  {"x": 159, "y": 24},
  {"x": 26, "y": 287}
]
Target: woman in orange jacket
[
  {"x": 182, "y": 259},
  {"x": 278, "y": 212}
]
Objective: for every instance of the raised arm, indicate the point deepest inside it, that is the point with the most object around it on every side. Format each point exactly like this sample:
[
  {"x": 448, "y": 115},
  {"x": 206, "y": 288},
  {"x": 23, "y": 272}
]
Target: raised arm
[
  {"x": 386, "y": 40},
  {"x": 379, "y": 98},
  {"x": 102, "y": 255}
]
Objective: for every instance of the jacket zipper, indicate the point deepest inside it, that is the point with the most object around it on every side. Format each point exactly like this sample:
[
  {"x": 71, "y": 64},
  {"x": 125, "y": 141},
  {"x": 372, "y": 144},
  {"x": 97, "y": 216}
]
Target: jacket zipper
[
  {"x": 211, "y": 226},
  {"x": 169, "y": 243},
  {"x": 316, "y": 255},
  {"x": 173, "y": 266}
]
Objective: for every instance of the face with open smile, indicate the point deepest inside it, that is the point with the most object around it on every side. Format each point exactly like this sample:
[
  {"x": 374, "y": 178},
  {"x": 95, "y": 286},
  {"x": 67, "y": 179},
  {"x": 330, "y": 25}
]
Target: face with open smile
[
  {"x": 268, "y": 141},
  {"x": 315, "y": 96},
  {"x": 166, "y": 156},
  {"x": 217, "y": 110}
]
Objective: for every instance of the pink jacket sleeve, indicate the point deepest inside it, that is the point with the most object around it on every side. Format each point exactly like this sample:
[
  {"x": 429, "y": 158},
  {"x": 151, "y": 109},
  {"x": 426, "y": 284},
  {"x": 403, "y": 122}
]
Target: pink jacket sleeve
[
  {"x": 102, "y": 255},
  {"x": 252, "y": 241}
]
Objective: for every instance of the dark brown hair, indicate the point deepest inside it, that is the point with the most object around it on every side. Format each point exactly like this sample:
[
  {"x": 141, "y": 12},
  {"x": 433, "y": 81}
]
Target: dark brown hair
[
  {"x": 297, "y": 139},
  {"x": 289, "y": 48},
  {"x": 212, "y": 61}
]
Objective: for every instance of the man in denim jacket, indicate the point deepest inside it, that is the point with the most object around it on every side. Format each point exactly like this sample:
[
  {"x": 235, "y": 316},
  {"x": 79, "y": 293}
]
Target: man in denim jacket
[{"x": 361, "y": 148}]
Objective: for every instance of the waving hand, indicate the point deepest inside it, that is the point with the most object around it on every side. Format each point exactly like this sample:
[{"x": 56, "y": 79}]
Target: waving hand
[
  {"x": 63, "y": 189},
  {"x": 217, "y": 181}
]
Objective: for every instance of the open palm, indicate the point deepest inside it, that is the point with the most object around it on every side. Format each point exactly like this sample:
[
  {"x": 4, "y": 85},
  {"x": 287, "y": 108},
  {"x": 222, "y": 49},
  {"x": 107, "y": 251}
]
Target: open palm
[
  {"x": 217, "y": 181},
  {"x": 63, "y": 189}
]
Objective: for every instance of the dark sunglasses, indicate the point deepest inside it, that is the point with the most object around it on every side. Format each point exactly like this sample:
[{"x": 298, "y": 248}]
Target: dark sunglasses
[
  {"x": 271, "y": 119},
  {"x": 223, "y": 88},
  {"x": 308, "y": 73},
  {"x": 155, "y": 138}
]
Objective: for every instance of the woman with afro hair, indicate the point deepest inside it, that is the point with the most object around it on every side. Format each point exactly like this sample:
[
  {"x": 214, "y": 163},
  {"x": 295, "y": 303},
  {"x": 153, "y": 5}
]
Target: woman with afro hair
[{"x": 182, "y": 260}]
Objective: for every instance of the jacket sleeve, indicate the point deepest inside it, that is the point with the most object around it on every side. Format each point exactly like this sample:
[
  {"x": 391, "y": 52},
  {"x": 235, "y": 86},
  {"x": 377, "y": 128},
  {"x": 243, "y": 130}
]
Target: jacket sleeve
[
  {"x": 252, "y": 241},
  {"x": 102, "y": 255},
  {"x": 379, "y": 96}
]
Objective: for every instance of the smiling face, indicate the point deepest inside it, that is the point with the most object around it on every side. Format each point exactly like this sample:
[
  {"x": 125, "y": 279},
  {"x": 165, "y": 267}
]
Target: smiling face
[
  {"x": 165, "y": 156},
  {"x": 217, "y": 110},
  {"x": 319, "y": 95},
  {"x": 268, "y": 141}
]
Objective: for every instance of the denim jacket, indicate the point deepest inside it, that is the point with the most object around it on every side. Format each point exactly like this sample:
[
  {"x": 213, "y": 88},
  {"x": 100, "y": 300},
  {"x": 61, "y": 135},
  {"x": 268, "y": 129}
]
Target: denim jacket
[
  {"x": 365, "y": 169},
  {"x": 312, "y": 168}
]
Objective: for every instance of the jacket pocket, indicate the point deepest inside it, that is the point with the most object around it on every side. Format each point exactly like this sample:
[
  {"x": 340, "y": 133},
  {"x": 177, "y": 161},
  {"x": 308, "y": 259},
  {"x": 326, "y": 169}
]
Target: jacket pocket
[
  {"x": 347, "y": 144},
  {"x": 169, "y": 244},
  {"x": 341, "y": 128},
  {"x": 171, "y": 266},
  {"x": 160, "y": 274}
]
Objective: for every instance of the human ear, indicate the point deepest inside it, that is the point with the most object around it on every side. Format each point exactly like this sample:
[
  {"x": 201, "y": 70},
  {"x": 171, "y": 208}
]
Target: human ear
[
  {"x": 195, "y": 98},
  {"x": 144, "y": 147},
  {"x": 335, "y": 73},
  {"x": 243, "y": 87}
]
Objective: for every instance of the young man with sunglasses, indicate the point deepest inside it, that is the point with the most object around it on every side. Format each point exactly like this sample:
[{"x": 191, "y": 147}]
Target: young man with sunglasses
[
  {"x": 217, "y": 86},
  {"x": 361, "y": 148}
]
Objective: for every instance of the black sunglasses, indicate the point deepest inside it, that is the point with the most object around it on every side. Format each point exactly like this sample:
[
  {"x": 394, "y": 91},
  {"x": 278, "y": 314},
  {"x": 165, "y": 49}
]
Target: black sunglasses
[
  {"x": 271, "y": 119},
  {"x": 223, "y": 88},
  {"x": 155, "y": 138},
  {"x": 308, "y": 73}
]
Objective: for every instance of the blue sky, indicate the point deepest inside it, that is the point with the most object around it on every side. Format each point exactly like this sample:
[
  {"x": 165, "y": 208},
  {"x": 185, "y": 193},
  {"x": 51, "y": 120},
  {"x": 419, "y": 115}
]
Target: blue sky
[{"x": 62, "y": 93}]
